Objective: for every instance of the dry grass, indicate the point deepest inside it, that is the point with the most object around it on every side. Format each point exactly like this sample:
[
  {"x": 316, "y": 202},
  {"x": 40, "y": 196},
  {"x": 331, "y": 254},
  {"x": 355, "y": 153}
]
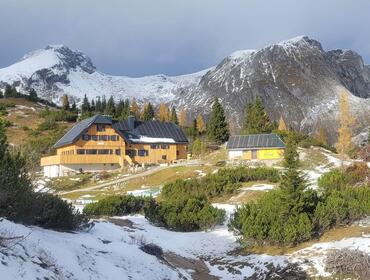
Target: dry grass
[
  {"x": 313, "y": 158},
  {"x": 150, "y": 181},
  {"x": 334, "y": 234},
  {"x": 167, "y": 175}
]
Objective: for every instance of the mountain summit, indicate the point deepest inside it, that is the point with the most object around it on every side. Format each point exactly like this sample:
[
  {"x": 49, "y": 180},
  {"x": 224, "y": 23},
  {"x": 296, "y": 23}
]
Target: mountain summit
[{"x": 296, "y": 79}]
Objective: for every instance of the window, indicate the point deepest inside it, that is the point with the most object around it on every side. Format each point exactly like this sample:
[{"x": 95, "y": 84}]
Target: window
[
  {"x": 85, "y": 137},
  {"x": 153, "y": 146},
  {"x": 105, "y": 152},
  {"x": 143, "y": 153},
  {"x": 103, "y": 137},
  {"x": 91, "y": 152},
  {"x": 164, "y": 157},
  {"x": 131, "y": 153},
  {"x": 118, "y": 152},
  {"x": 94, "y": 137},
  {"x": 100, "y": 127},
  {"x": 80, "y": 151},
  {"x": 114, "y": 137},
  {"x": 165, "y": 146}
]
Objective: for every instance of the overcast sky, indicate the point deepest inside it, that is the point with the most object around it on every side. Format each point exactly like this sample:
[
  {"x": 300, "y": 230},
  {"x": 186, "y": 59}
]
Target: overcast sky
[{"x": 137, "y": 37}]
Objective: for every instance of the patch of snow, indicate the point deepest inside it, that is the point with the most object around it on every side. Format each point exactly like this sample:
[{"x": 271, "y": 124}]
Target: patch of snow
[
  {"x": 260, "y": 187},
  {"x": 145, "y": 139}
]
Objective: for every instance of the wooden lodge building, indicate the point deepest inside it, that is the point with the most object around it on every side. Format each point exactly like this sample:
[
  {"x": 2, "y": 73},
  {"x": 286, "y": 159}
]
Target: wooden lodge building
[
  {"x": 100, "y": 143},
  {"x": 255, "y": 147}
]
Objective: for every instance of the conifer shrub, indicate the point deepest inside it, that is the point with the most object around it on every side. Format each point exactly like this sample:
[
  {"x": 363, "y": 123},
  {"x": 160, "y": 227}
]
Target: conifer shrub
[
  {"x": 18, "y": 201},
  {"x": 225, "y": 181},
  {"x": 190, "y": 214},
  {"x": 294, "y": 213},
  {"x": 55, "y": 213},
  {"x": 117, "y": 205},
  {"x": 340, "y": 178}
]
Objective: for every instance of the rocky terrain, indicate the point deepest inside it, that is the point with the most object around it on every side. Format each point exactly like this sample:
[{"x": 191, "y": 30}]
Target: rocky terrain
[{"x": 296, "y": 79}]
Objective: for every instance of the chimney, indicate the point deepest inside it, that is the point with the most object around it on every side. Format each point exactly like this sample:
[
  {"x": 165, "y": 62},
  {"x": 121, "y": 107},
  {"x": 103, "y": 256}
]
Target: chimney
[{"x": 131, "y": 122}]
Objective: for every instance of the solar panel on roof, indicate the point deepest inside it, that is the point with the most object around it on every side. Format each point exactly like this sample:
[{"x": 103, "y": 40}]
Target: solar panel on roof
[{"x": 255, "y": 141}]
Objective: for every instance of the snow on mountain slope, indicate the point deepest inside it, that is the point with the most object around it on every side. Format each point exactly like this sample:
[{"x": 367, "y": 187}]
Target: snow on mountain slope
[
  {"x": 296, "y": 79},
  {"x": 57, "y": 70}
]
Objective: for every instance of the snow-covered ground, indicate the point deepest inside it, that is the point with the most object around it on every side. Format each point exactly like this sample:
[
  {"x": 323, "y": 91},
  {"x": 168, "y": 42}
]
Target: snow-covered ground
[{"x": 111, "y": 250}]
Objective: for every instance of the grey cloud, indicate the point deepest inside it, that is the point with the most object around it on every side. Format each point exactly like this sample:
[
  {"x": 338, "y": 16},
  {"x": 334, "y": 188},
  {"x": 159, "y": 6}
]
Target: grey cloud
[{"x": 139, "y": 37}]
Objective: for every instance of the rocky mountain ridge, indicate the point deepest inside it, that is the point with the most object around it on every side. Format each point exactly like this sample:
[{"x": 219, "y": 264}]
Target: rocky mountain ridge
[{"x": 296, "y": 79}]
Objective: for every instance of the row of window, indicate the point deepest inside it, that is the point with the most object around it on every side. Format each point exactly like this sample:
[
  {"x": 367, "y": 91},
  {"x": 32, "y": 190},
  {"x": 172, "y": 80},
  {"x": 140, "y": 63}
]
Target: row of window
[
  {"x": 98, "y": 152},
  {"x": 87, "y": 137},
  {"x": 140, "y": 153},
  {"x": 70, "y": 152},
  {"x": 156, "y": 146}
]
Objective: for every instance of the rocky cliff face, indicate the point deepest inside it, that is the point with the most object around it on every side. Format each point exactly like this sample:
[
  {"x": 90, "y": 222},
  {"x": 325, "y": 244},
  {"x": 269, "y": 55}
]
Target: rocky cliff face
[{"x": 296, "y": 79}]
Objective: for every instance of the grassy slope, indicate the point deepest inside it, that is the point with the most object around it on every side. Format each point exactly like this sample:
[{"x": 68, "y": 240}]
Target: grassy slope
[{"x": 24, "y": 117}]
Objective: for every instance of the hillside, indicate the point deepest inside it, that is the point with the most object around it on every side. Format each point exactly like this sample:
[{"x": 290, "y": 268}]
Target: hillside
[{"x": 296, "y": 79}]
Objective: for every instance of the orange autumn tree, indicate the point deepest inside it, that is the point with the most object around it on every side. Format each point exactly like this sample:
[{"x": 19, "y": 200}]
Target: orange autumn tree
[
  {"x": 135, "y": 110},
  {"x": 183, "y": 118},
  {"x": 346, "y": 121},
  {"x": 321, "y": 136},
  {"x": 164, "y": 113},
  {"x": 201, "y": 126},
  {"x": 282, "y": 125}
]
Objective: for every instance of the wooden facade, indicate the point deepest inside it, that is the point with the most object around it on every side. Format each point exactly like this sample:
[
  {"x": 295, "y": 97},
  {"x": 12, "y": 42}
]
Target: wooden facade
[
  {"x": 101, "y": 147},
  {"x": 255, "y": 147}
]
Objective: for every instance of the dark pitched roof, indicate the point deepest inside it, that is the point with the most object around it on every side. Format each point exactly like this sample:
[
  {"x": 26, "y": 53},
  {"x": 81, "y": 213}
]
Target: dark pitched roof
[
  {"x": 75, "y": 132},
  {"x": 254, "y": 141},
  {"x": 153, "y": 129}
]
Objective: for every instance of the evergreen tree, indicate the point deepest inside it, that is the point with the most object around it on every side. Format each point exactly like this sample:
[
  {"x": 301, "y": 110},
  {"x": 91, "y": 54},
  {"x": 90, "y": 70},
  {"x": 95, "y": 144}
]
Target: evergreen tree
[
  {"x": 74, "y": 107},
  {"x": 103, "y": 104},
  {"x": 65, "y": 103},
  {"x": 85, "y": 108},
  {"x": 93, "y": 106},
  {"x": 32, "y": 95},
  {"x": 15, "y": 186},
  {"x": 110, "y": 109},
  {"x": 256, "y": 119},
  {"x": 1, "y": 94},
  {"x": 196, "y": 147},
  {"x": 119, "y": 108},
  {"x": 291, "y": 156},
  {"x": 98, "y": 105},
  {"x": 148, "y": 113},
  {"x": 126, "y": 110},
  {"x": 217, "y": 127},
  {"x": 194, "y": 130},
  {"x": 14, "y": 92},
  {"x": 293, "y": 182},
  {"x": 174, "y": 118},
  {"x": 8, "y": 91}
]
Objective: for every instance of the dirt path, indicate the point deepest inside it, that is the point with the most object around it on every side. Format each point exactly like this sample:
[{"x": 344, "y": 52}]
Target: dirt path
[
  {"x": 199, "y": 270},
  {"x": 137, "y": 175}
]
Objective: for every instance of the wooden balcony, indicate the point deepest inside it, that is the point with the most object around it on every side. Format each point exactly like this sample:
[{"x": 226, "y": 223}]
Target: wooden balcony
[{"x": 80, "y": 159}]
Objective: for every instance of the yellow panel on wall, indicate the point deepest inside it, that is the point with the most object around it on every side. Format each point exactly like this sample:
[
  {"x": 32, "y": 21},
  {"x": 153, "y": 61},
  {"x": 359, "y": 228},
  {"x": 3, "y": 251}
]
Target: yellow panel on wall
[
  {"x": 270, "y": 154},
  {"x": 247, "y": 155}
]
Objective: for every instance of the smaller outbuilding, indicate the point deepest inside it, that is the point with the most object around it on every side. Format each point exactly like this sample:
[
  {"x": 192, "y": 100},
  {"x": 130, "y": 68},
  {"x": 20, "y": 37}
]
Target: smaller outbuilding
[{"x": 255, "y": 147}]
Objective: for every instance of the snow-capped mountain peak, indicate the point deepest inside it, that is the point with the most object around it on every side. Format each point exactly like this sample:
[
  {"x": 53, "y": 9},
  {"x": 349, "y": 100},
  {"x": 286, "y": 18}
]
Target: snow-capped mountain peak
[{"x": 296, "y": 79}]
